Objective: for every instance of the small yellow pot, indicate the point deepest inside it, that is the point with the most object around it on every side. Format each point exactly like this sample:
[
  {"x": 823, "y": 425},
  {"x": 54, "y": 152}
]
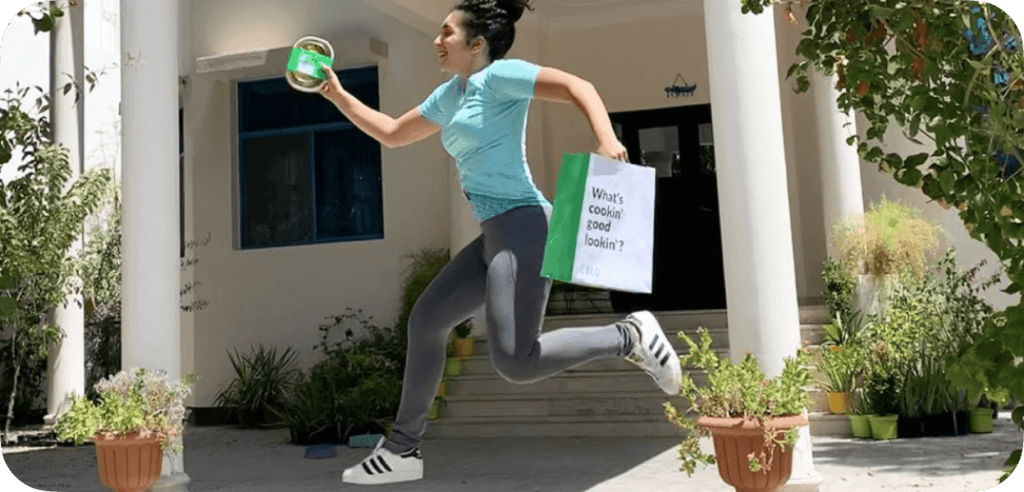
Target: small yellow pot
[
  {"x": 839, "y": 403},
  {"x": 463, "y": 347}
]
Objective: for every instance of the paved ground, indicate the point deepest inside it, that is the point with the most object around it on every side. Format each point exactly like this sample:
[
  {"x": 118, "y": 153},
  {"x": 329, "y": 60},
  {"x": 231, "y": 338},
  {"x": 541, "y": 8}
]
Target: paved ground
[{"x": 227, "y": 459}]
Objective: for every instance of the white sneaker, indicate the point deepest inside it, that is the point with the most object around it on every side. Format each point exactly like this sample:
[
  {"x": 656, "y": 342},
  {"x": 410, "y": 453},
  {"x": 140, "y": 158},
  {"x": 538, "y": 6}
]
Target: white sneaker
[
  {"x": 383, "y": 466},
  {"x": 653, "y": 352}
]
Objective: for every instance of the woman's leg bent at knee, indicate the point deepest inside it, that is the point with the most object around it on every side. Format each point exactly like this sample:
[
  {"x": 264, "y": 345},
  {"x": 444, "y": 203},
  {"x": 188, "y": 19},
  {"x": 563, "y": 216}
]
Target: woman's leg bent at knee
[{"x": 516, "y": 301}]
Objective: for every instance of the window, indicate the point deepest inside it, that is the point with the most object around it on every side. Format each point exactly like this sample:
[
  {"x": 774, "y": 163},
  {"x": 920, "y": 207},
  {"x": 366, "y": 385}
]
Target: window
[{"x": 307, "y": 175}]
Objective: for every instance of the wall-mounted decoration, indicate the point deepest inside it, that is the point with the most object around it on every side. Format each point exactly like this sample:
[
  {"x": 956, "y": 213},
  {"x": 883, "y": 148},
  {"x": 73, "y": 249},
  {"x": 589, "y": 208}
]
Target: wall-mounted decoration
[{"x": 676, "y": 90}]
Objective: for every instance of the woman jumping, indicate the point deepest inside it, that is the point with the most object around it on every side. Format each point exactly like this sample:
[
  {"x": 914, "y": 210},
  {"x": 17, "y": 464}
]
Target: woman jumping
[{"x": 482, "y": 112}]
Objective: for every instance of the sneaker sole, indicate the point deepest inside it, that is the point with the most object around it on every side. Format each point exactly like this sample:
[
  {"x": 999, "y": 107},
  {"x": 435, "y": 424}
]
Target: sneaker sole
[
  {"x": 675, "y": 371},
  {"x": 390, "y": 477}
]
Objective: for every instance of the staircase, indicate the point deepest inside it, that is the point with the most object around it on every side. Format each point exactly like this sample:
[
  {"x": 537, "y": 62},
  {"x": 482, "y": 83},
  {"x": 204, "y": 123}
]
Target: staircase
[{"x": 607, "y": 398}]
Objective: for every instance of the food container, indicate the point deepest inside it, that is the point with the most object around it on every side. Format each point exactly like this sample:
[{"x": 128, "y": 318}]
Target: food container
[{"x": 304, "y": 64}]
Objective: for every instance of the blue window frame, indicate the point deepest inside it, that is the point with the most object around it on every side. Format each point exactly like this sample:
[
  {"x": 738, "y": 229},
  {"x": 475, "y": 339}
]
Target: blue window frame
[{"x": 306, "y": 174}]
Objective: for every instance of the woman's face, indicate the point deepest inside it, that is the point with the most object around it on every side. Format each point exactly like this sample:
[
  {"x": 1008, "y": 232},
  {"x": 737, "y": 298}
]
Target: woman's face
[{"x": 453, "y": 54}]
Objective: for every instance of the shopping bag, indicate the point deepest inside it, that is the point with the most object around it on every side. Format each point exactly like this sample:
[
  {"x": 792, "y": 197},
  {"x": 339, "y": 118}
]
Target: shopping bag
[{"x": 601, "y": 232}]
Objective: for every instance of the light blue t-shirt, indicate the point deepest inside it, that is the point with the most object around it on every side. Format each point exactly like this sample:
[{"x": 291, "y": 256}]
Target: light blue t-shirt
[{"x": 484, "y": 129}]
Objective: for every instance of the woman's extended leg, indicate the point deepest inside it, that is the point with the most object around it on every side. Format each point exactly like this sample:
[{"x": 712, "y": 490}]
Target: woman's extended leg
[{"x": 452, "y": 297}]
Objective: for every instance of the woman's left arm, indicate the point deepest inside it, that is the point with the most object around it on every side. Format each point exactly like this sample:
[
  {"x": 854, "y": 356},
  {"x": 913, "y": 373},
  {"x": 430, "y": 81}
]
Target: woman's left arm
[{"x": 558, "y": 86}]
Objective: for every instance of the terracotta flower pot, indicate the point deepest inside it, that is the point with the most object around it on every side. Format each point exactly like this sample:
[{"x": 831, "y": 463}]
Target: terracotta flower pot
[
  {"x": 463, "y": 347},
  {"x": 839, "y": 403},
  {"x": 129, "y": 463},
  {"x": 735, "y": 438}
]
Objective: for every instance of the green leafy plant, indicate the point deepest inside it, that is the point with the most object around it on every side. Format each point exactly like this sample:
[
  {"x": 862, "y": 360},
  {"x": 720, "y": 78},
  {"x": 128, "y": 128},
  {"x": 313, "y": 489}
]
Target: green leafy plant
[
  {"x": 134, "y": 401},
  {"x": 41, "y": 215},
  {"x": 885, "y": 241},
  {"x": 464, "y": 329},
  {"x": 841, "y": 367},
  {"x": 738, "y": 390},
  {"x": 356, "y": 385},
  {"x": 262, "y": 381},
  {"x": 839, "y": 289},
  {"x": 882, "y": 384},
  {"x": 953, "y": 77}
]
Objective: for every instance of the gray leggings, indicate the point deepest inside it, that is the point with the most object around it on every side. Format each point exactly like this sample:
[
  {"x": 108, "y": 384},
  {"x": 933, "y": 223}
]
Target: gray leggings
[{"x": 500, "y": 271}]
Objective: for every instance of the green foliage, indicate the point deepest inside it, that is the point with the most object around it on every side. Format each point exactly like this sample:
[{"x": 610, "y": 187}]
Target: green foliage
[
  {"x": 839, "y": 289},
  {"x": 261, "y": 382},
  {"x": 738, "y": 390},
  {"x": 355, "y": 387},
  {"x": 841, "y": 367},
  {"x": 885, "y": 241},
  {"x": 134, "y": 401},
  {"x": 952, "y": 75},
  {"x": 41, "y": 215}
]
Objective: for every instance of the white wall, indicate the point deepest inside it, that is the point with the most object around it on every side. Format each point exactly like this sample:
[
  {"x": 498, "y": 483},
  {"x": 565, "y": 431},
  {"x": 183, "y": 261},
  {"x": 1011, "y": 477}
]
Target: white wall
[{"x": 279, "y": 296}]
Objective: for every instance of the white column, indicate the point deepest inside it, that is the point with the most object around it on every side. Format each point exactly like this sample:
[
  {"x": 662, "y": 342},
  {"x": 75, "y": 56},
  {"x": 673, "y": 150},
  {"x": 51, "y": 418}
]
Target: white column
[
  {"x": 150, "y": 268},
  {"x": 840, "y": 164},
  {"x": 761, "y": 295},
  {"x": 65, "y": 365}
]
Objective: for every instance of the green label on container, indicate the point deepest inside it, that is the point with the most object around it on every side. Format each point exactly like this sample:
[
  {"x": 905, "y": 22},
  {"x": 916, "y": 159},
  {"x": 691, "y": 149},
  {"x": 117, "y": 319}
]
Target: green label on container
[{"x": 308, "y": 62}]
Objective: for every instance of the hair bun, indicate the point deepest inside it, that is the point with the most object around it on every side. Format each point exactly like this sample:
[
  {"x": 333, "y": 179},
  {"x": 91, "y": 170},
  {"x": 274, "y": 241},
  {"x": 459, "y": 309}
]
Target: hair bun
[{"x": 514, "y": 8}]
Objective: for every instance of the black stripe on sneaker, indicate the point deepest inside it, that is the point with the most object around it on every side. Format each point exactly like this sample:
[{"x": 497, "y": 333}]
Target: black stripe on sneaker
[
  {"x": 654, "y": 341},
  {"x": 373, "y": 463},
  {"x": 367, "y": 468},
  {"x": 664, "y": 359},
  {"x": 384, "y": 463},
  {"x": 661, "y": 348}
]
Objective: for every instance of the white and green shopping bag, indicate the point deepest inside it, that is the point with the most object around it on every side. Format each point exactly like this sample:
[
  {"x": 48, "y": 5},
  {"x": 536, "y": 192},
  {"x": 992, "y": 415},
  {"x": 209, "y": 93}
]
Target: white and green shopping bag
[{"x": 602, "y": 227}]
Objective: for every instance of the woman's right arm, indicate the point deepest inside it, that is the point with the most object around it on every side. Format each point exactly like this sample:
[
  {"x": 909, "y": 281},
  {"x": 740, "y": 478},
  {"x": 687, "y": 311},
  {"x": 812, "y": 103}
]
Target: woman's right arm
[{"x": 391, "y": 132}]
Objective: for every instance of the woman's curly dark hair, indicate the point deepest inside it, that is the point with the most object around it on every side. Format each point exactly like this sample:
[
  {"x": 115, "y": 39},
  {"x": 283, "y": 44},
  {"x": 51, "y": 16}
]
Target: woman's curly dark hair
[{"x": 494, "y": 20}]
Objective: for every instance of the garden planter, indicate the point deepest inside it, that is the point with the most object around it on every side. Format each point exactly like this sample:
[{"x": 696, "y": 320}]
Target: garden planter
[
  {"x": 463, "y": 347},
  {"x": 839, "y": 403},
  {"x": 962, "y": 423},
  {"x": 442, "y": 389},
  {"x": 129, "y": 463},
  {"x": 883, "y": 427},
  {"x": 939, "y": 425},
  {"x": 435, "y": 410},
  {"x": 735, "y": 438},
  {"x": 452, "y": 367},
  {"x": 860, "y": 426},
  {"x": 909, "y": 427},
  {"x": 981, "y": 420}
]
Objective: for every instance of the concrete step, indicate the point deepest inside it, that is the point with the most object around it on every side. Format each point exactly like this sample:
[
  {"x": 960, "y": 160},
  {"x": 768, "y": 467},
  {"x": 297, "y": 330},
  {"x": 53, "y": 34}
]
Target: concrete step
[
  {"x": 631, "y": 381},
  {"x": 572, "y": 426},
  {"x": 481, "y": 364},
  {"x": 561, "y": 405},
  {"x": 592, "y": 426},
  {"x": 826, "y": 424},
  {"x": 719, "y": 336}
]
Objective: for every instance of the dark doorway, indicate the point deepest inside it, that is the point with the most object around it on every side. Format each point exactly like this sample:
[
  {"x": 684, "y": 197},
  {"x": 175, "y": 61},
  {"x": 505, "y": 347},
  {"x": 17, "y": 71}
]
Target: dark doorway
[{"x": 678, "y": 143}]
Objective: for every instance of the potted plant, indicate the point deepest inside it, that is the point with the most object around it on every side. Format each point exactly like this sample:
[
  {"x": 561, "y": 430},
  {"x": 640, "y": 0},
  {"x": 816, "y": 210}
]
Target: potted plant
[
  {"x": 136, "y": 420},
  {"x": 881, "y": 244},
  {"x": 839, "y": 364},
  {"x": 453, "y": 365},
  {"x": 741, "y": 409},
  {"x": 435, "y": 408},
  {"x": 882, "y": 387},
  {"x": 462, "y": 345},
  {"x": 260, "y": 386},
  {"x": 860, "y": 425}
]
